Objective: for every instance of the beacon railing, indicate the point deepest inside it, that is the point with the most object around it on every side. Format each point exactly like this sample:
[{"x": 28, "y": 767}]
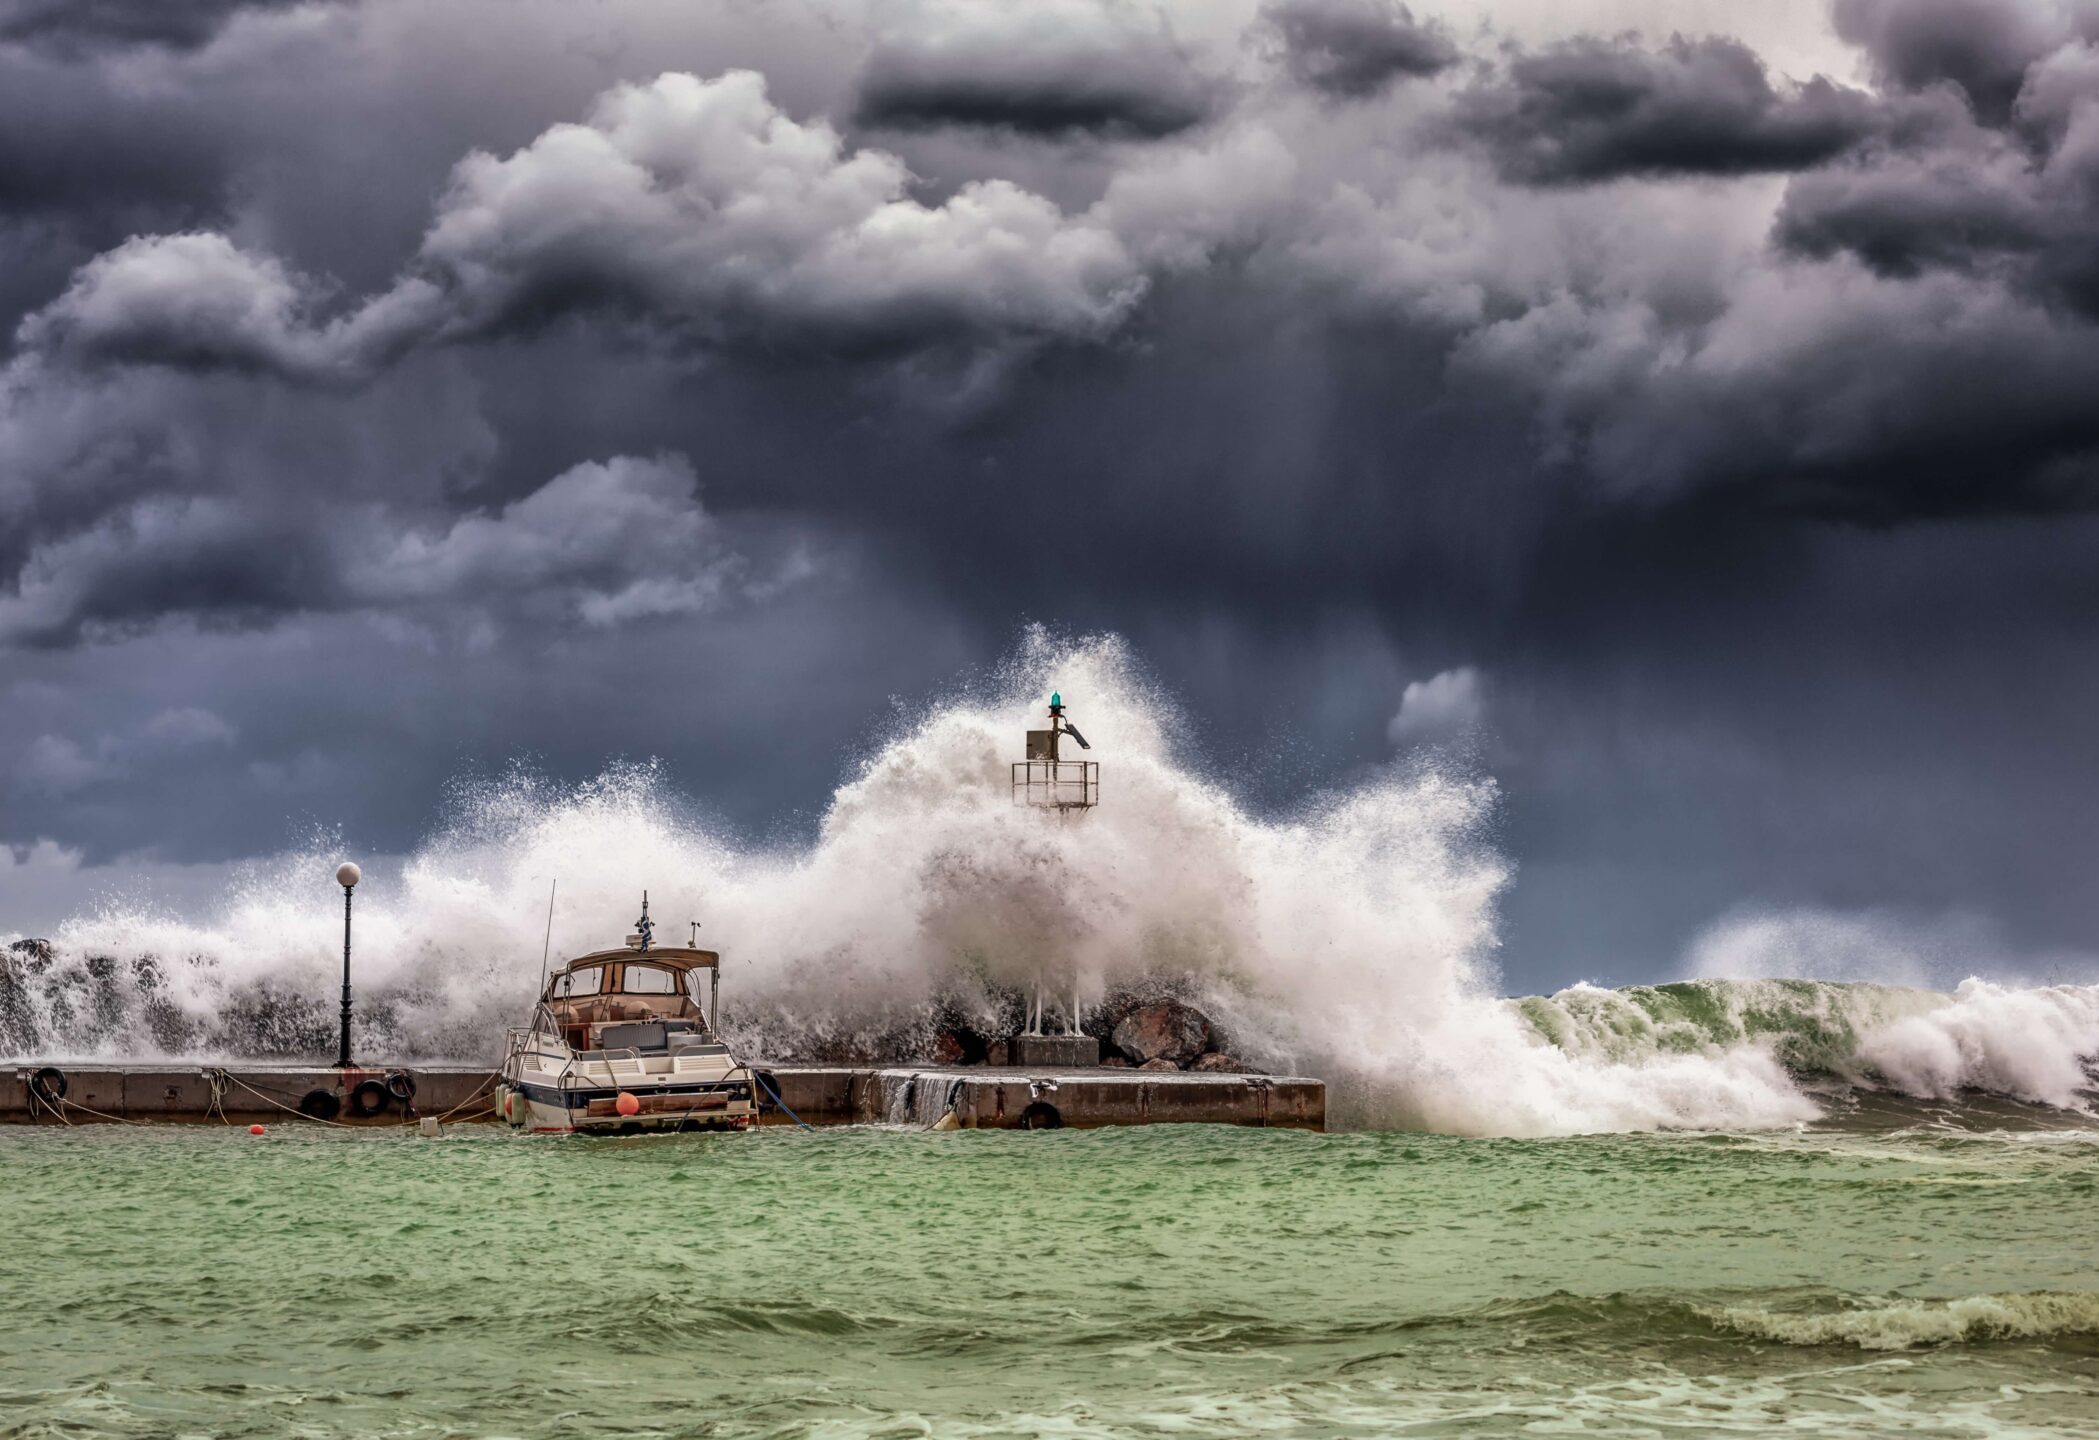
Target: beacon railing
[{"x": 1057, "y": 784}]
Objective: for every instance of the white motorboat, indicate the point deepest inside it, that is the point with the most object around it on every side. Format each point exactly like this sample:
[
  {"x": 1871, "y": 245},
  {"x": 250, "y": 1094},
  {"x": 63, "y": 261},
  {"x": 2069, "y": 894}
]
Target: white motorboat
[{"x": 625, "y": 1040}]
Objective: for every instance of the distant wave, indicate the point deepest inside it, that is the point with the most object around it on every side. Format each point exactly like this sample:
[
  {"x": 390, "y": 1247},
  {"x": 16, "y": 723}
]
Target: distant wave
[
  {"x": 1909, "y": 1324},
  {"x": 2036, "y": 1044}
]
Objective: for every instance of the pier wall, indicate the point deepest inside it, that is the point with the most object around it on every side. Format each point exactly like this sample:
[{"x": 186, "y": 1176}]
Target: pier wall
[{"x": 979, "y": 1098}]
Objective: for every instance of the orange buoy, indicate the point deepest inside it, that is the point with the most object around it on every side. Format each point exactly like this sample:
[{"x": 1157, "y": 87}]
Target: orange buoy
[
  {"x": 627, "y": 1104},
  {"x": 255, "y": 1130}
]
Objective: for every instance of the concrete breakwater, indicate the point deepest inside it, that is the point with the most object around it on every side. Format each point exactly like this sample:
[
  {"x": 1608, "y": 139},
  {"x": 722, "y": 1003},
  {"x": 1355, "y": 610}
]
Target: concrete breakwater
[{"x": 52, "y": 1093}]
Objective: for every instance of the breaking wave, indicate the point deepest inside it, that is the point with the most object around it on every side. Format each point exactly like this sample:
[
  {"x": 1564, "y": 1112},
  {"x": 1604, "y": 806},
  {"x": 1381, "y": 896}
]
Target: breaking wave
[
  {"x": 1910, "y": 1324},
  {"x": 1354, "y": 940}
]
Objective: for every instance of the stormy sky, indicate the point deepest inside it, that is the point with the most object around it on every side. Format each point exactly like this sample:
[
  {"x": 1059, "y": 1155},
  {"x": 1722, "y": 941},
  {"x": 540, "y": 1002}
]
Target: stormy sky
[{"x": 1689, "y": 413}]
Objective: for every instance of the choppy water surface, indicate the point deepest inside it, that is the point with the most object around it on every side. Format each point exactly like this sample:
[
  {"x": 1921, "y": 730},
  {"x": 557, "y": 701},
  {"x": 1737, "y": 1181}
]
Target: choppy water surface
[{"x": 1858, "y": 1279}]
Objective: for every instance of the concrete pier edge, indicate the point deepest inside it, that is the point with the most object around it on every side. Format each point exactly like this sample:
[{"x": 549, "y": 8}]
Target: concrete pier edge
[{"x": 979, "y": 1097}]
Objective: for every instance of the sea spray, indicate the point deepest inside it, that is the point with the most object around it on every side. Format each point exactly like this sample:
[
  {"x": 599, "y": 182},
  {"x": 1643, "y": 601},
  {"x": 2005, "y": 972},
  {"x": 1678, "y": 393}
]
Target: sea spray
[{"x": 1354, "y": 939}]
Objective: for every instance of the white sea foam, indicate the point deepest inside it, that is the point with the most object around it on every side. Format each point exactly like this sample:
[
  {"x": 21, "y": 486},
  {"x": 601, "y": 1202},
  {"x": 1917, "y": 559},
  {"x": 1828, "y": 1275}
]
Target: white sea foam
[
  {"x": 1356, "y": 939},
  {"x": 1907, "y": 1324}
]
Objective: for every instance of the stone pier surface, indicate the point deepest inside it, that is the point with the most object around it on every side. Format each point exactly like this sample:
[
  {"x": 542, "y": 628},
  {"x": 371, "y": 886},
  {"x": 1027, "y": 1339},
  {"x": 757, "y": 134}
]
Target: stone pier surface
[
  {"x": 1014, "y": 1098},
  {"x": 965, "y": 1097}
]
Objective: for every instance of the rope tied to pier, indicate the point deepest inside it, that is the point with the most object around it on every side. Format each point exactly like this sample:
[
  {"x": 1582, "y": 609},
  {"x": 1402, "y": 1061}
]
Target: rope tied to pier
[
  {"x": 216, "y": 1079},
  {"x": 479, "y": 1090},
  {"x": 760, "y": 1078},
  {"x": 269, "y": 1100}
]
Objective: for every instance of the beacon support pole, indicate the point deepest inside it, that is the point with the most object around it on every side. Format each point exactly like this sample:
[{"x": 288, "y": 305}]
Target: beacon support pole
[{"x": 346, "y": 875}]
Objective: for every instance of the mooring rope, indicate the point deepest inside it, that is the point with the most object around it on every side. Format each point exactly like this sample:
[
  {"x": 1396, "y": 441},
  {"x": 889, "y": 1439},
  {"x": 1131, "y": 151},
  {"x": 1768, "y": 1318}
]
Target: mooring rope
[
  {"x": 760, "y": 1078},
  {"x": 479, "y": 1090},
  {"x": 279, "y": 1104},
  {"x": 63, "y": 1103},
  {"x": 216, "y": 1079}
]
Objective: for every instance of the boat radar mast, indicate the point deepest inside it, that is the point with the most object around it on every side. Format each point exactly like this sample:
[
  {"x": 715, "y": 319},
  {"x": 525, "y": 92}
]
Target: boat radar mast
[{"x": 1046, "y": 779}]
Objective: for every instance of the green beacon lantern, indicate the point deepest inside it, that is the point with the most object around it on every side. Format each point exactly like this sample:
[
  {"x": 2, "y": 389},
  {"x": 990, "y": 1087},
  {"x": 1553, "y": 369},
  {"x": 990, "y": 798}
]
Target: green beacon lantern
[{"x": 1048, "y": 780}]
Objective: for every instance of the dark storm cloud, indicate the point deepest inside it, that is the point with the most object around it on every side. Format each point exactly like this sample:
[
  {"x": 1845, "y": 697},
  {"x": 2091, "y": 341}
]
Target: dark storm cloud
[
  {"x": 2014, "y": 195},
  {"x": 75, "y": 147},
  {"x": 1355, "y": 48},
  {"x": 1981, "y": 46},
  {"x": 77, "y": 26},
  {"x": 1050, "y": 70},
  {"x": 330, "y": 431},
  {"x": 1595, "y": 110}
]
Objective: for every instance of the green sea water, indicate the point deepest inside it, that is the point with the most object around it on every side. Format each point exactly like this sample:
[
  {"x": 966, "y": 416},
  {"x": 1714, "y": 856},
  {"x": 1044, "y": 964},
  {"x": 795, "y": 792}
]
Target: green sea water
[{"x": 1862, "y": 1279}]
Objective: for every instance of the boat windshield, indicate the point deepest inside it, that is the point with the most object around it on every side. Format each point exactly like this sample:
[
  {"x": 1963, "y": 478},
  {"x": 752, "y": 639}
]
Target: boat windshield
[
  {"x": 648, "y": 980},
  {"x": 588, "y": 980}
]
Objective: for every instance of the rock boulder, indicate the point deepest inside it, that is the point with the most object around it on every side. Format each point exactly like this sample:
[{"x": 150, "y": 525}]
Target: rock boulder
[{"x": 1163, "y": 1030}]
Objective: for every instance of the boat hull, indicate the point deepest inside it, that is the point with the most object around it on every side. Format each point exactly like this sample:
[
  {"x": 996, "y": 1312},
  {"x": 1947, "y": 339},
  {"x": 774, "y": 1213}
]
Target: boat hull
[{"x": 594, "y": 1109}]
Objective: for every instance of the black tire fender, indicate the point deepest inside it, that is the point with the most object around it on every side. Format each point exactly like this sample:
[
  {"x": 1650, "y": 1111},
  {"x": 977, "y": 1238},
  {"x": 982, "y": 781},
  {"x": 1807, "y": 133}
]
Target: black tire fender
[
  {"x": 369, "y": 1098},
  {"x": 320, "y": 1104},
  {"x": 48, "y": 1085}
]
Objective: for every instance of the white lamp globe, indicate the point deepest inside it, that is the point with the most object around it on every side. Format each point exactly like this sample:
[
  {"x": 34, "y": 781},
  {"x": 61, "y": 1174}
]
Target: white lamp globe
[{"x": 347, "y": 874}]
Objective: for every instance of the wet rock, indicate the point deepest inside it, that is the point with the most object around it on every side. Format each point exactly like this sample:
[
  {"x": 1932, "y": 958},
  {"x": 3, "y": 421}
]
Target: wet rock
[
  {"x": 1162, "y": 1063},
  {"x": 946, "y": 1048},
  {"x": 996, "y": 1053},
  {"x": 36, "y": 950},
  {"x": 1115, "y": 1062},
  {"x": 1216, "y": 1061},
  {"x": 1163, "y": 1030}
]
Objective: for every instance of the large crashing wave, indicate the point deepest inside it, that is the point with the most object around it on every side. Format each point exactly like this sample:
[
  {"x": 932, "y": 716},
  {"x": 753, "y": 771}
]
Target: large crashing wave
[{"x": 1355, "y": 940}]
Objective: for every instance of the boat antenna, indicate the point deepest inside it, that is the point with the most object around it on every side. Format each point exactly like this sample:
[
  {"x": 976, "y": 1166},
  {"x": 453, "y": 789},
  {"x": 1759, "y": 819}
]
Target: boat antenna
[{"x": 547, "y": 946}]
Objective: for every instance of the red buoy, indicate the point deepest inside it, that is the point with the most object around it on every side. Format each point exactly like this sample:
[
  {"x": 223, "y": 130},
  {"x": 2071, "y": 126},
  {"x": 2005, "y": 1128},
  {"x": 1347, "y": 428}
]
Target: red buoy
[
  {"x": 255, "y": 1130},
  {"x": 627, "y": 1104}
]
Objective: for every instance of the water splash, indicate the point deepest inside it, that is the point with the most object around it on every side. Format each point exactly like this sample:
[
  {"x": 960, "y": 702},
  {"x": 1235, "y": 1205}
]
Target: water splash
[{"x": 1355, "y": 939}]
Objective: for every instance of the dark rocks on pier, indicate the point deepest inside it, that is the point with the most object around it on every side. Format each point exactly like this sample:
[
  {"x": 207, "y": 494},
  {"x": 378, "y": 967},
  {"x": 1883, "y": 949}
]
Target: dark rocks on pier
[
  {"x": 1163, "y": 1030},
  {"x": 1217, "y": 1060},
  {"x": 1114, "y": 1062},
  {"x": 1162, "y": 1063}
]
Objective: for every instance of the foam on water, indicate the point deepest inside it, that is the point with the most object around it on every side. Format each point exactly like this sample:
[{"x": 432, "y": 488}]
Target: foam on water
[
  {"x": 1355, "y": 939},
  {"x": 1904, "y": 1325}
]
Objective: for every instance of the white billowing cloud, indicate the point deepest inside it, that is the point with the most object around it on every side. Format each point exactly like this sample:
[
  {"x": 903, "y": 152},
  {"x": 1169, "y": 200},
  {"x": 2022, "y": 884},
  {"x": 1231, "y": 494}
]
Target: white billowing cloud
[
  {"x": 695, "y": 206},
  {"x": 612, "y": 540},
  {"x": 1438, "y": 708}
]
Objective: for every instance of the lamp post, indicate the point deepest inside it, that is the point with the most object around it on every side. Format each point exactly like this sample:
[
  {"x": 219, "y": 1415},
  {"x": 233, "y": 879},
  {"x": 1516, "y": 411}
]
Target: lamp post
[{"x": 346, "y": 875}]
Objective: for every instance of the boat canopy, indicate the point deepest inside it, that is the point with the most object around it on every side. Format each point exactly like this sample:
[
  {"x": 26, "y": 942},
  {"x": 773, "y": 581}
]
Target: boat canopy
[{"x": 671, "y": 957}]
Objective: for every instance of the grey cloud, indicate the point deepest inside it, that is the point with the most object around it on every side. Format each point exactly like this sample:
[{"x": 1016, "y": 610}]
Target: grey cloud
[
  {"x": 1982, "y": 46},
  {"x": 78, "y": 145},
  {"x": 597, "y": 546},
  {"x": 1591, "y": 110},
  {"x": 689, "y": 208},
  {"x": 2023, "y": 203},
  {"x": 1052, "y": 69},
  {"x": 1355, "y": 48},
  {"x": 74, "y": 26}
]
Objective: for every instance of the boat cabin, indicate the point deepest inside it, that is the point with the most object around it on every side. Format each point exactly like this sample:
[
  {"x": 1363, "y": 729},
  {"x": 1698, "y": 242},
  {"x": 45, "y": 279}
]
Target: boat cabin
[{"x": 653, "y": 1001}]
